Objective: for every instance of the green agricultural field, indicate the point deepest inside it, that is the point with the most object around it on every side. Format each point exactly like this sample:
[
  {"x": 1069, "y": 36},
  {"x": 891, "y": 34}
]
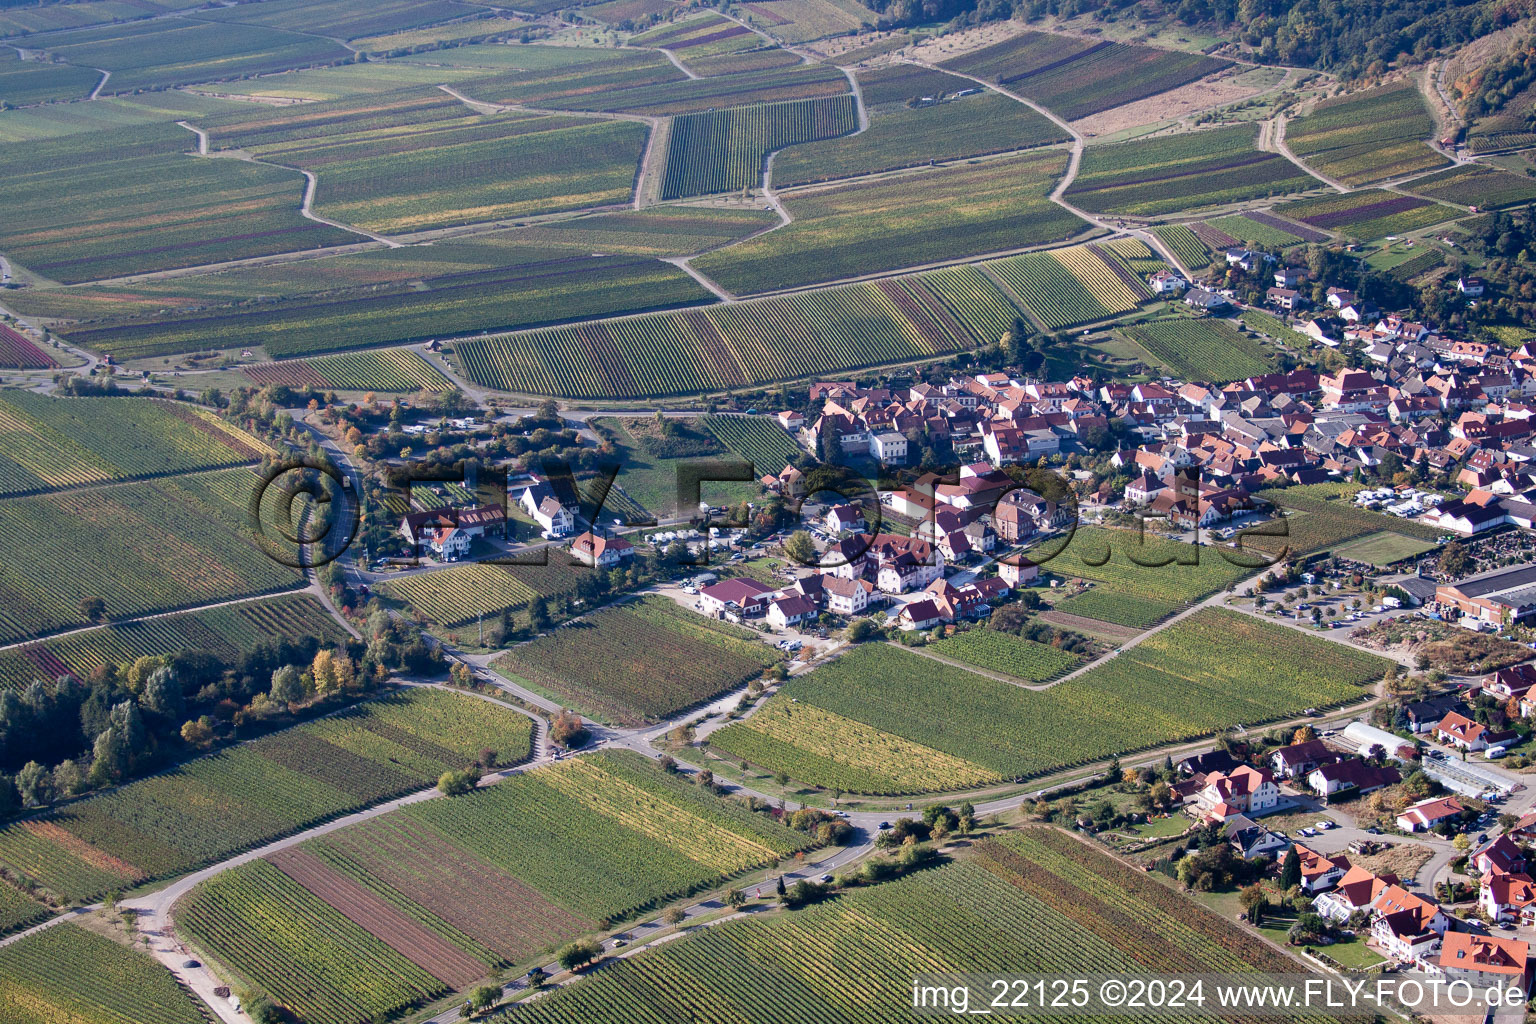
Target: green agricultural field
[
  {"x": 226, "y": 631},
  {"x": 165, "y": 52},
  {"x": 413, "y": 293},
  {"x": 1205, "y": 350},
  {"x": 1383, "y": 549},
  {"x": 1253, "y": 232},
  {"x": 1186, "y": 245},
  {"x": 483, "y": 880},
  {"x": 344, "y": 19},
  {"x": 211, "y": 807},
  {"x": 1035, "y": 901},
  {"x": 421, "y": 159},
  {"x": 525, "y": 57},
  {"x": 653, "y": 231},
  {"x": 1367, "y": 137},
  {"x": 58, "y": 119},
  {"x": 799, "y": 21},
  {"x": 19, "y": 910},
  {"x": 49, "y": 443},
  {"x": 460, "y": 594},
  {"x": 1118, "y": 607},
  {"x": 1075, "y": 77},
  {"x": 761, "y": 441},
  {"x": 100, "y": 204},
  {"x": 25, "y": 82},
  {"x": 1182, "y": 172},
  {"x": 718, "y": 347},
  {"x": 317, "y": 85},
  {"x": 187, "y": 539},
  {"x": 47, "y": 17},
  {"x": 974, "y": 299},
  {"x": 1486, "y": 188},
  {"x": 1208, "y": 672},
  {"x": 70, "y": 974},
  {"x": 1323, "y": 516},
  {"x": 724, "y": 150},
  {"x": 639, "y": 662},
  {"x": 707, "y": 44},
  {"x": 1368, "y": 214},
  {"x": 1161, "y": 570},
  {"x": 1076, "y": 285},
  {"x": 939, "y": 214},
  {"x": 646, "y": 83},
  {"x": 901, "y": 136},
  {"x": 393, "y": 369},
  {"x": 1008, "y": 654}
]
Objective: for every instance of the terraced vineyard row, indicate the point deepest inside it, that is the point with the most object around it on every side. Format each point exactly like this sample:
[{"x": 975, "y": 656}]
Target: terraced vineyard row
[
  {"x": 461, "y": 593},
  {"x": 1062, "y": 287},
  {"x": 385, "y": 370},
  {"x": 68, "y": 975},
  {"x": 723, "y": 150},
  {"x": 1011, "y": 655},
  {"x": 714, "y": 348}
]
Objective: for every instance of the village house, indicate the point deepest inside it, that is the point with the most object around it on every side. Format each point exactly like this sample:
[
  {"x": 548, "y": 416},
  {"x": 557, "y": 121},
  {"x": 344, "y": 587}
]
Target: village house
[
  {"x": 1353, "y": 777},
  {"x": 1500, "y": 855},
  {"x": 845, "y": 519},
  {"x": 1426, "y": 814},
  {"x": 1485, "y": 961},
  {"x": 1508, "y": 898},
  {"x": 1356, "y": 892},
  {"x": 1244, "y": 790},
  {"x": 1249, "y": 839},
  {"x": 601, "y": 552},
  {"x": 1408, "y": 928},
  {"x": 847, "y": 596},
  {"x": 1457, "y": 730},
  {"x": 734, "y": 599},
  {"x": 1017, "y": 571},
  {"x": 922, "y": 613},
  {"x": 1319, "y": 871},
  {"x": 790, "y": 610},
  {"x": 1300, "y": 758}
]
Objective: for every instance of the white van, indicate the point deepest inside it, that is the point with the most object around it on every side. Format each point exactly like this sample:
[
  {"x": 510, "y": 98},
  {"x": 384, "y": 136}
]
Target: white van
[{"x": 1494, "y": 752}]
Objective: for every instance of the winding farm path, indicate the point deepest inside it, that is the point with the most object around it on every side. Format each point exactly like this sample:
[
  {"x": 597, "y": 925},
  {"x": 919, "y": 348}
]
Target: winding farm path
[{"x": 1278, "y": 138}]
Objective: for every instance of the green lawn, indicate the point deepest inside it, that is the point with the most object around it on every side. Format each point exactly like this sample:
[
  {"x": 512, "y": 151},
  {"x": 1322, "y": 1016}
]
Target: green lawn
[{"x": 1382, "y": 549}]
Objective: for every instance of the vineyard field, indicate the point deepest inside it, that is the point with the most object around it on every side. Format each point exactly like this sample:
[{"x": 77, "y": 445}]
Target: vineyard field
[
  {"x": 1203, "y": 674},
  {"x": 1062, "y": 287},
  {"x": 1486, "y": 188},
  {"x": 638, "y": 662},
  {"x": 1274, "y": 327},
  {"x": 900, "y": 136},
  {"x": 724, "y": 150},
  {"x": 938, "y": 214},
  {"x": 1119, "y": 608},
  {"x": 409, "y": 294},
  {"x": 1368, "y": 214},
  {"x": 653, "y": 231},
  {"x": 1075, "y": 77},
  {"x": 187, "y": 537},
  {"x": 460, "y": 594},
  {"x": 1256, "y": 232},
  {"x": 1033, "y": 901},
  {"x": 69, "y": 975},
  {"x": 1163, "y": 570},
  {"x": 1186, "y": 245},
  {"x": 764, "y": 443},
  {"x": 1368, "y": 136},
  {"x": 388, "y": 370},
  {"x": 49, "y": 443},
  {"x": 19, "y": 910},
  {"x": 227, "y": 632},
  {"x": 215, "y": 806},
  {"x": 1205, "y": 350},
  {"x": 25, "y": 82},
  {"x": 1180, "y": 172},
  {"x": 17, "y": 352},
  {"x": 1008, "y": 654},
  {"x": 124, "y": 201},
  {"x": 717, "y": 347},
  {"x": 378, "y": 917}
]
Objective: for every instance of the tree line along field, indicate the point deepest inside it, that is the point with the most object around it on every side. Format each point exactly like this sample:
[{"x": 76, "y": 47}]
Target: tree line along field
[
  {"x": 387, "y": 915},
  {"x": 1076, "y": 285},
  {"x": 638, "y": 662},
  {"x": 101, "y": 204},
  {"x": 1486, "y": 188},
  {"x": 49, "y": 443},
  {"x": 1179, "y": 172},
  {"x": 924, "y": 217},
  {"x": 162, "y": 53},
  {"x": 1008, "y": 654},
  {"x": 725, "y": 346},
  {"x": 386, "y": 296},
  {"x": 1074, "y": 77},
  {"x": 226, "y": 631},
  {"x": 907, "y": 136},
  {"x": 761, "y": 442},
  {"x": 395, "y": 369},
  {"x": 462, "y": 593},
  {"x": 882, "y": 720},
  {"x": 1032, "y": 901},
  {"x": 68, "y": 974},
  {"x": 419, "y": 159},
  {"x": 1366, "y": 137},
  {"x": 724, "y": 150},
  {"x": 647, "y": 84},
  {"x": 212, "y": 807},
  {"x": 1204, "y": 349},
  {"x": 188, "y": 539},
  {"x": 1367, "y": 214}
]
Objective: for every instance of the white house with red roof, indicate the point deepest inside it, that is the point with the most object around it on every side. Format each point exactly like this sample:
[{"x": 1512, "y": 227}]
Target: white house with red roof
[
  {"x": 1485, "y": 961},
  {"x": 1457, "y": 730},
  {"x": 735, "y": 599},
  {"x": 920, "y": 614},
  {"x": 790, "y": 610},
  {"x": 1426, "y": 814},
  {"x": 1408, "y": 927},
  {"x": 601, "y": 552},
  {"x": 1357, "y": 890},
  {"x": 1243, "y": 790},
  {"x": 1508, "y": 898},
  {"x": 1320, "y": 871}
]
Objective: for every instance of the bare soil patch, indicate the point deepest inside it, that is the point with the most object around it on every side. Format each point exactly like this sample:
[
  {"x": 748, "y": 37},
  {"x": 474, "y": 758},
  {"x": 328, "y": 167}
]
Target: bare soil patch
[{"x": 1222, "y": 88}]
